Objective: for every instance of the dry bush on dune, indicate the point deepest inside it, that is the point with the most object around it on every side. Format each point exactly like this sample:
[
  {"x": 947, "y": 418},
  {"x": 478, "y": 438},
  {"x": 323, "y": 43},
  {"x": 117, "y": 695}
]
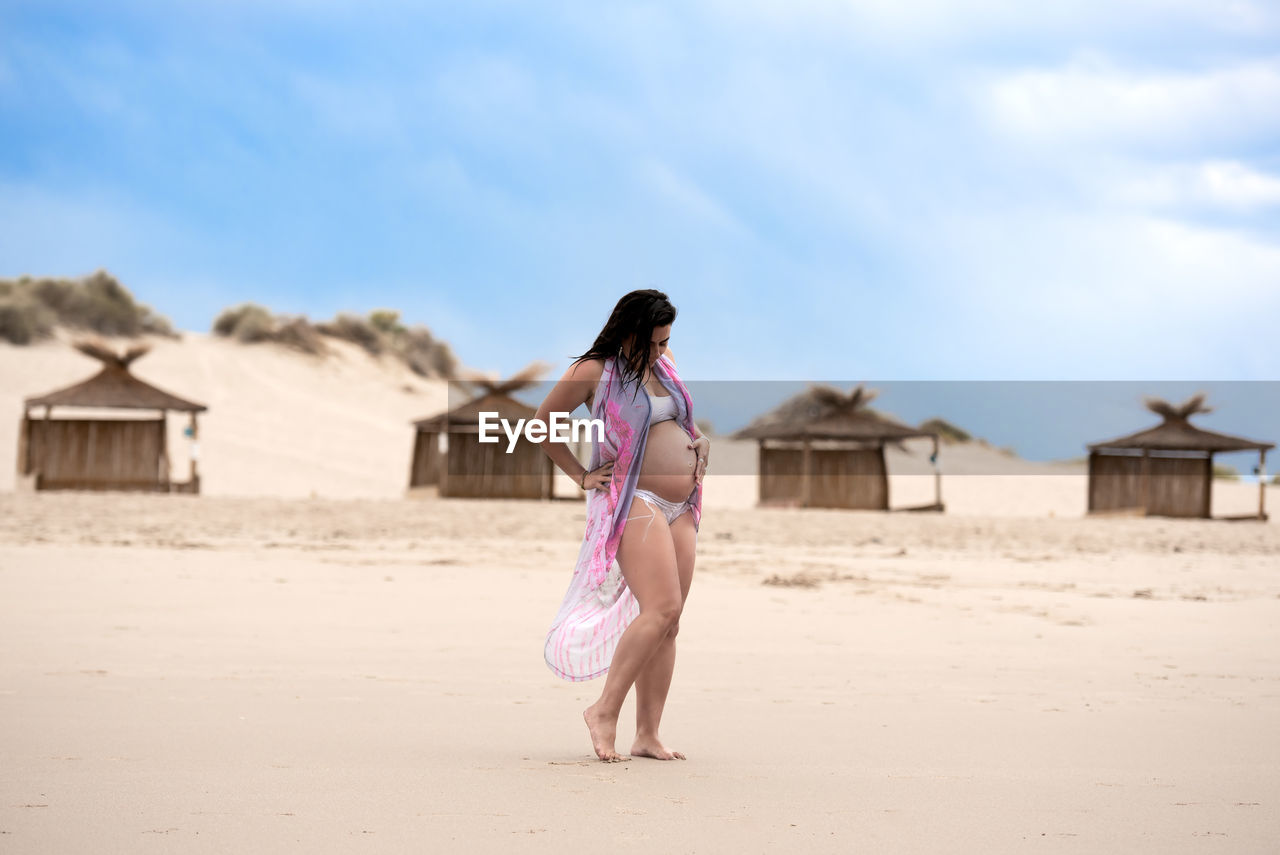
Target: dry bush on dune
[
  {"x": 386, "y": 321},
  {"x": 32, "y": 308},
  {"x": 951, "y": 434},
  {"x": 250, "y": 323},
  {"x": 299, "y": 334},
  {"x": 22, "y": 319},
  {"x": 247, "y": 322},
  {"x": 354, "y": 329},
  {"x": 946, "y": 430},
  {"x": 379, "y": 333},
  {"x": 426, "y": 355},
  {"x": 382, "y": 332}
]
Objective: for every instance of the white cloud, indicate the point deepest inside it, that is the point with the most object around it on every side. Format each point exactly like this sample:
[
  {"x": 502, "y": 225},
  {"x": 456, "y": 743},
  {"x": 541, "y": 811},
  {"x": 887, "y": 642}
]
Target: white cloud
[
  {"x": 1213, "y": 185},
  {"x": 1091, "y": 101},
  {"x": 1120, "y": 259},
  {"x": 1105, "y": 294},
  {"x": 1233, "y": 184},
  {"x": 897, "y": 24}
]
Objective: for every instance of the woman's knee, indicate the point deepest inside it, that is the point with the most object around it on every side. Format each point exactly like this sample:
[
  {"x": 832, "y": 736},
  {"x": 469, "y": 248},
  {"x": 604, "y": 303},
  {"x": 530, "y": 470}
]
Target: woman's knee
[{"x": 667, "y": 613}]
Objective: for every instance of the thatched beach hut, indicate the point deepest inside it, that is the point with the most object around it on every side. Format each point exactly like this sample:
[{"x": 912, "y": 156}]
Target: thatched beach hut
[
  {"x": 825, "y": 449},
  {"x": 101, "y": 452},
  {"x": 1166, "y": 470},
  {"x": 448, "y": 454}
]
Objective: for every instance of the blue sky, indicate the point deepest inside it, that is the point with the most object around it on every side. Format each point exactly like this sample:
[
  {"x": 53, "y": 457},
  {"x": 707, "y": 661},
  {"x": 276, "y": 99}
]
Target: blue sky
[{"x": 909, "y": 190}]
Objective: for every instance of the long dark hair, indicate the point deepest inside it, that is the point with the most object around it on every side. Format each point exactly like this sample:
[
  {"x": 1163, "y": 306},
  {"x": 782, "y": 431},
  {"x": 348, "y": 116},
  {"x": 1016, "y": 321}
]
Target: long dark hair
[{"x": 637, "y": 314}]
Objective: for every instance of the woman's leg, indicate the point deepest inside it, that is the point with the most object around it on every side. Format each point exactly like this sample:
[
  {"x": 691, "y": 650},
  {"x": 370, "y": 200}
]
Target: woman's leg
[
  {"x": 655, "y": 678},
  {"x": 647, "y": 559}
]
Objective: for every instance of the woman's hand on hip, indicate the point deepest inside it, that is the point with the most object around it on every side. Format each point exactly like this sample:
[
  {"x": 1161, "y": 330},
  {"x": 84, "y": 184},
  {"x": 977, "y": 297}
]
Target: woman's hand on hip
[
  {"x": 703, "y": 447},
  {"x": 599, "y": 478}
]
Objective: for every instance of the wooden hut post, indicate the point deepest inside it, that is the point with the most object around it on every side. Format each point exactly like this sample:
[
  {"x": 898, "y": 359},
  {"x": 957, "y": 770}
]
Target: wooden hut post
[
  {"x": 1262, "y": 483},
  {"x": 413, "y": 455},
  {"x": 884, "y": 475},
  {"x": 806, "y": 456},
  {"x": 1206, "y": 509},
  {"x": 1144, "y": 487},
  {"x": 937, "y": 475},
  {"x": 163, "y": 474},
  {"x": 195, "y": 453},
  {"x": 24, "y": 443},
  {"x": 45, "y": 430},
  {"x": 760, "y": 472}
]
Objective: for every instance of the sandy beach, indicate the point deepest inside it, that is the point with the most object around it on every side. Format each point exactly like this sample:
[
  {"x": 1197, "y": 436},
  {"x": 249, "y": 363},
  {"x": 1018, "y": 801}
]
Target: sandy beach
[{"x": 205, "y": 674}]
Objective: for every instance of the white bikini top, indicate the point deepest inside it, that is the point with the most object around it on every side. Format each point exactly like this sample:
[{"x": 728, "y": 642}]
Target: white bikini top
[{"x": 663, "y": 408}]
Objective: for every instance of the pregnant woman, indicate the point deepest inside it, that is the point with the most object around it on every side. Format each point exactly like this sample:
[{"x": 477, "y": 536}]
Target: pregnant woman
[{"x": 644, "y": 503}]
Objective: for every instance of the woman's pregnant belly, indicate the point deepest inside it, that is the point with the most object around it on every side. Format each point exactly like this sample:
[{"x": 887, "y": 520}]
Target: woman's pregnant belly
[{"x": 667, "y": 468}]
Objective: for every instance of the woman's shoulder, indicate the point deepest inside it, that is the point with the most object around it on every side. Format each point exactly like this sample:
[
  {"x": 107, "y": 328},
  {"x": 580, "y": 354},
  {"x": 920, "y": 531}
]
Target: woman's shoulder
[
  {"x": 586, "y": 369},
  {"x": 585, "y": 375}
]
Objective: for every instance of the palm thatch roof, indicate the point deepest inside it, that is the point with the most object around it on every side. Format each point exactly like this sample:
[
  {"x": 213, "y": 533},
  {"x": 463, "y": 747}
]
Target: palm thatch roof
[
  {"x": 114, "y": 386},
  {"x": 824, "y": 412},
  {"x": 1176, "y": 433},
  {"x": 492, "y": 395}
]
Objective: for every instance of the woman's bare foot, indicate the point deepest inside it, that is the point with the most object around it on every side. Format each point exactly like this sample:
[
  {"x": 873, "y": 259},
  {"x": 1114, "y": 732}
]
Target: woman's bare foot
[
  {"x": 651, "y": 746},
  {"x": 603, "y": 732}
]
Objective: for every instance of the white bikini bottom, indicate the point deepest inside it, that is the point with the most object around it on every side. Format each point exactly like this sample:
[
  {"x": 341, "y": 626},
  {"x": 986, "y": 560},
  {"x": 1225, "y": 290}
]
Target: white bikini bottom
[{"x": 670, "y": 510}]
